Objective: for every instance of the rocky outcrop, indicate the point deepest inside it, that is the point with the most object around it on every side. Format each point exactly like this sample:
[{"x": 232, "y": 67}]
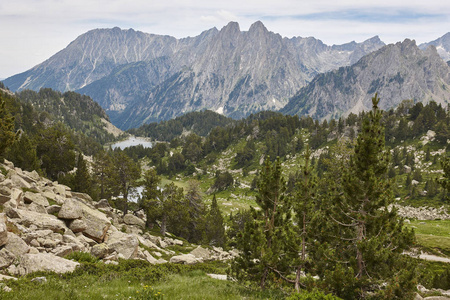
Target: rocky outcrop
[
  {"x": 423, "y": 213},
  {"x": 36, "y": 236}
]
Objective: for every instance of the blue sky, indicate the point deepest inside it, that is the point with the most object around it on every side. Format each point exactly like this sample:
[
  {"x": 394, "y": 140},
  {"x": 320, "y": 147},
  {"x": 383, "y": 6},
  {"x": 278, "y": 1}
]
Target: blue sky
[{"x": 34, "y": 30}]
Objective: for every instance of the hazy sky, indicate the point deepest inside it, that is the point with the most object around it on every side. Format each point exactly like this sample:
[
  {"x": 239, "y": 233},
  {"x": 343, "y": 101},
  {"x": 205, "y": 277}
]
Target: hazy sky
[{"x": 33, "y": 30}]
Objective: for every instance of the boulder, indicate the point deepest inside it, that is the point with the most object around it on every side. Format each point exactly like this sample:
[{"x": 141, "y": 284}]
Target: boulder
[
  {"x": 122, "y": 243},
  {"x": 53, "y": 209},
  {"x": 130, "y": 219},
  {"x": 16, "y": 245},
  {"x": 34, "y": 235},
  {"x": 82, "y": 196},
  {"x": 201, "y": 253},
  {"x": 16, "y": 196},
  {"x": 102, "y": 204},
  {"x": 78, "y": 226},
  {"x": 60, "y": 190},
  {"x": 6, "y": 258},
  {"x": 63, "y": 250},
  {"x": 37, "y": 208},
  {"x": 41, "y": 221},
  {"x": 187, "y": 259},
  {"x": 70, "y": 210},
  {"x": 73, "y": 242},
  {"x": 4, "y": 277},
  {"x": 3, "y": 232},
  {"x": 100, "y": 250},
  {"x": 30, "y": 197},
  {"x": 97, "y": 224},
  {"x": 18, "y": 181},
  {"x": 43, "y": 262}
]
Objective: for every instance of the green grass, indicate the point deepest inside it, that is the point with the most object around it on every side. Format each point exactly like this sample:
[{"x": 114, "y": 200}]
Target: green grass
[
  {"x": 196, "y": 285},
  {"x": 135, "y": 280},
  {"x": 433, "y": 235}
]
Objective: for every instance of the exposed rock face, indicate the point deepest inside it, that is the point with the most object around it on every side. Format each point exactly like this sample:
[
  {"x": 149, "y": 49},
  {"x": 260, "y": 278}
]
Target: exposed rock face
[
  {"x": 396, "y": 72},
  {"x": 159, "y": 77},
  {"x": 442, "y": 45}
]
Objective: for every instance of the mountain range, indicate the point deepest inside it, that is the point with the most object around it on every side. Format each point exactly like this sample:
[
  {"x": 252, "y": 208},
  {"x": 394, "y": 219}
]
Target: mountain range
[
  {"x": 396, "y": 72},
  {"x": 139, "y": 78}
]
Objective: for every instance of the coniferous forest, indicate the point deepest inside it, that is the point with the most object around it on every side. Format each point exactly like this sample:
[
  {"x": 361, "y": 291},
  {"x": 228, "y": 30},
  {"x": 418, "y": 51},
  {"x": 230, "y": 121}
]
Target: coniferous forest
[{"x": 312, "y": 207}]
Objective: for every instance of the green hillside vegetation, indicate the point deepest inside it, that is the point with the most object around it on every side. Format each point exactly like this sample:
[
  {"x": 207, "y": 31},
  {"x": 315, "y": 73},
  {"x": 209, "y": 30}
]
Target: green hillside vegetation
[
  {"x": 295, "y": 195},
  {"x": 200, "y": 123}
]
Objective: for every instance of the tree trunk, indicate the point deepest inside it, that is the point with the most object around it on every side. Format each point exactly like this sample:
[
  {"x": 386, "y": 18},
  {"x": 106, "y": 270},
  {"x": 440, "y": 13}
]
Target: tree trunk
[
  {"x": 163, "y": 225},
  {"x": 359, "y": 256},
  {"x": 263, "y": 278}
]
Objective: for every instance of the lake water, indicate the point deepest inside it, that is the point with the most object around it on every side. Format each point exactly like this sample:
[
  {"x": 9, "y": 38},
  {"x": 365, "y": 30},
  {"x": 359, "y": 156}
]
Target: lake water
[{"x": 132, "y": 141}]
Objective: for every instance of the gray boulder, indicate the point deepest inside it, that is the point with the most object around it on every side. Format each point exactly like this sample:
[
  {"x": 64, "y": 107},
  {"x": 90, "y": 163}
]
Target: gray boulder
[
  {"x": 29, "y": 263},
  {"x": 130, "y": 219},
  {"x": 124, "y": 244},
  {"x": 187, "y": 259},
  {"x": 16, "y": 245},
  {"x": 3, "y": 232},
  {"x": 30, "y": 197},
  {"x": 70, "y": 210},
  {"x": 6, "y": 258},
  {"x": 41, "y": 221},
  {"x": 97, "y": 224}
]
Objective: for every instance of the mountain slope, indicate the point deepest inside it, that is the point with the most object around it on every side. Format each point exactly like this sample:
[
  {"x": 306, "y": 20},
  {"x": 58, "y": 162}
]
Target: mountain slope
[
  {"x": 241, "y": 73},
  {"x": 232, "y": 71},
  {"x": 442, "y": 45},
  {"x": 396, "y": 72}
]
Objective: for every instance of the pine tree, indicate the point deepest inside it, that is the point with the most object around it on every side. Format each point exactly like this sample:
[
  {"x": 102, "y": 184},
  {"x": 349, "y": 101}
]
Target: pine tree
[
  {"x": 371, "y": 236},
  {"x": 82, "y": 180},
  {"x": 263, "y": 241},
  {"x": 196, "y": 208},
  {"x": 123, "y": 176},
  {"x": 100, "y": 168},
  {"x": 150, "y": 197},
  {"x": 304, "y": 206},
  {"x": 445, "y": 181},
  {"x": 215, "y": 230},
  {"x": 23, "y": 153},
  {"x": 7, "y": 135}
]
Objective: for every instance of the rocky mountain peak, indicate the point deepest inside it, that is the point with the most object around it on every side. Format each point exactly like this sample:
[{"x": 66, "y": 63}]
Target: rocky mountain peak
[
  {"x": 258, "y": 28},
  {"x": 231, "y": 29},
  {"x": 396, "y": 72},
  {"x": 137, "y": 76}
]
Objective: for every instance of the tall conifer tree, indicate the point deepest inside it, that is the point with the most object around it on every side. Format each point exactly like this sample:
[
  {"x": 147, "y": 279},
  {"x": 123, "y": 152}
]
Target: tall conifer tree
[
  {"x": 263, "y": 242},
  {"x": 371, "y": 235}
]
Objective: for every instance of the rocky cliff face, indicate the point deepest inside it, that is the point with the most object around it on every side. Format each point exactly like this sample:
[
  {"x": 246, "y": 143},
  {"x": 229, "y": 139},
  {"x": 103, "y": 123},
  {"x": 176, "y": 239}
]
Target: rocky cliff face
[
  {"x": 396, "y": 72},
  {"x": 442, "y": 45},
  {"x": 140, "y": 77}
]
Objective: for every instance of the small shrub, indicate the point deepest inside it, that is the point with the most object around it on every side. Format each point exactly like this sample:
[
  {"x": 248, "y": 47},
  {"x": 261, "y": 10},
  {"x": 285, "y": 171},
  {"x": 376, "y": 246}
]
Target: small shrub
[
  {"x": 313, "y": 295},
  {"x": 82, "y": 257}
]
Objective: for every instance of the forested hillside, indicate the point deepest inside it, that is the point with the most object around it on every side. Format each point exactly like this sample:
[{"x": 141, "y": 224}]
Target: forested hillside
[{"x": 298, "y": 198}]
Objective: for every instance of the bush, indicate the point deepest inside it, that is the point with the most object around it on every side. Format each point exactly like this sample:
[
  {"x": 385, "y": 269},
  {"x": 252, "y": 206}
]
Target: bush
[{"x": 313, "y": 295}]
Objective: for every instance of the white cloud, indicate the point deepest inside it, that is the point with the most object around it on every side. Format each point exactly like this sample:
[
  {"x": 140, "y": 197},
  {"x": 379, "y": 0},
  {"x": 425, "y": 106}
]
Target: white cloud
[{"x": 33, "y": 30}]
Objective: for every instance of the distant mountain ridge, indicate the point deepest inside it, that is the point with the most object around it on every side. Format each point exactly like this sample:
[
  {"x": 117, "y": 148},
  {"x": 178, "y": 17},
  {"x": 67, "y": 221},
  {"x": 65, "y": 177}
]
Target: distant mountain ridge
[
  {"x": 396, "y": 72},
  {"x": 139, "y": 77}
]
